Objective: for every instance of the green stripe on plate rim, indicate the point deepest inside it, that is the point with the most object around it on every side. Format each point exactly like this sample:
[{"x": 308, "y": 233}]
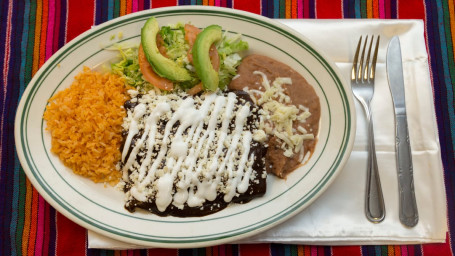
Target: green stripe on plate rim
[{"x": 212, "y": 237}]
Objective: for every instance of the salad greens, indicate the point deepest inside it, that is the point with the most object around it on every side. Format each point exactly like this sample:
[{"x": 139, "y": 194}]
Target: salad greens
[
  {"x": 229, "y": 58},
  {"x": 175, "y": 44},
  {"x": 177, "y": 48},
  {"x": 128, "y": 68}
]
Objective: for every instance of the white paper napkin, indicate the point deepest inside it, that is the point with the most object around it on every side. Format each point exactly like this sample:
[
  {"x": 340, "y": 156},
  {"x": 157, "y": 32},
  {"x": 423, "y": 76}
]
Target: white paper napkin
[{"x": 337, "y": 217}]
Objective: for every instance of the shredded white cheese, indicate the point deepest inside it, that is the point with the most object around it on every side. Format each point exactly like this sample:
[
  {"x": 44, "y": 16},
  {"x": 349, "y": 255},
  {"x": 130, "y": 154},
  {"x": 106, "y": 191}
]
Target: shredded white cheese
[{"x": 279, "y": 115}]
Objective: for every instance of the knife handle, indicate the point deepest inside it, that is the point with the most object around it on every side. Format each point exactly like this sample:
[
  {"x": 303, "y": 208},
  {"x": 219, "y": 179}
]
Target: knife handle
[{"x": 407, "y": 202}]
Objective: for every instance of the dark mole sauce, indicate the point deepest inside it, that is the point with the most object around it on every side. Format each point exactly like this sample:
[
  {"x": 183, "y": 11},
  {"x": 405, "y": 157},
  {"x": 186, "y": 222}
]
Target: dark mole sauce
[{"x": 256, "y": 188}]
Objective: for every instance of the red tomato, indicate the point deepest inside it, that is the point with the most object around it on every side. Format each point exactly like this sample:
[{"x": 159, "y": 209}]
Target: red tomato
[
  {"x": 160, "y": 45},
  {"x": 190, "y": 36},
  {"x": 214, "y": 57},
  {"x": 191, "y": 33},
  {"x": 150, "y": 75},
  {"x": 195, "y": 90}
]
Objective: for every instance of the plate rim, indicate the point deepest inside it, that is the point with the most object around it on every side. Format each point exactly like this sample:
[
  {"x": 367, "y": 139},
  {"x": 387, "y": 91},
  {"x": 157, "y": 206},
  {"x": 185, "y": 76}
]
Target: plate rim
[{"x": 280, "y": 217}]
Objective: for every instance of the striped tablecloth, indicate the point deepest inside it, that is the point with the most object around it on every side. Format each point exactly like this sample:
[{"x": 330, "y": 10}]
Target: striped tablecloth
[{"x": 31, "y": 31}]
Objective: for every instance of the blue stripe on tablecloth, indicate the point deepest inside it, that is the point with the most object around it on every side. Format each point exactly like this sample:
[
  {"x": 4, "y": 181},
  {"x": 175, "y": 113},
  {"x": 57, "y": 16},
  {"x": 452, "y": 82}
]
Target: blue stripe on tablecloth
[
  {"x": 146, "y": 5},
  {"x": 276, "y": 250},
  {"x": 105, "y": 11},
  {"x": 12, "y": 88},
  {"x": 442, "y": 107},
  {"x": 445, "y": 69},
  {"x": 5, "y": 168},
  {"x": 357, "y": 13},
  {"x": 110, "y": 10},
  {"x": 276, "y": 9},
  {"x": 417, "y": 250},
  {"x": 264, "y": 7},
  {"x": 98, "y": 12},
  {"x": 348, "y": 9},
  {"x": 269, "y": 9},
  {"x": 15, "y": 181},
  {"x": 52, "y": 229},
  {"x": 184, "y": 2},
  {"x": 18, "y": 86},
  {"x": 63, "y": 16},
  {"x": 24, "y": 43},
  {"x": 394, "y": 9},
  {"x": 312, "y": 11}
]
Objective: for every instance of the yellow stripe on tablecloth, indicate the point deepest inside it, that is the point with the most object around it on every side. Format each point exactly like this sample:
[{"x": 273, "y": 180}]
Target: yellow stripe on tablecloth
[
  {"x": 27, "y": 216},
  {"x": 39, "y": 12},
  {"x": 451, "y": 4}
]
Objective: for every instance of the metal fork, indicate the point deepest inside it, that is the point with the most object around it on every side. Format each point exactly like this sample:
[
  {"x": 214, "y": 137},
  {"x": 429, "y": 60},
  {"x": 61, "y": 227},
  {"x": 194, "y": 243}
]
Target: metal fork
[{"x": 362, "y": 83}]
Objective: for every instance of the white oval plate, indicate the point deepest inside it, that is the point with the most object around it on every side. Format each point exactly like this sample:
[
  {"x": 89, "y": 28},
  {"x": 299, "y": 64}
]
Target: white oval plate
[{"x": 100, "y": 208}]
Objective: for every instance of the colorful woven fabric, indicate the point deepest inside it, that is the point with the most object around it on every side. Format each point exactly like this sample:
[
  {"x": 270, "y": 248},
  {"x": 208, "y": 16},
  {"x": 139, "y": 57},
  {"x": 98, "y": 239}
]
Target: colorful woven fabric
[{"x": 31, "y": 31}]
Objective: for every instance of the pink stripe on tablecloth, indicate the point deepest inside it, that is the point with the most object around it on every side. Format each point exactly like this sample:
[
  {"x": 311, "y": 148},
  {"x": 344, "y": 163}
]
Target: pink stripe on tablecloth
[
  {"x": 300, "y": 9},
  {"x": 381, "y": 9},
  {"x": 40, "y": 227},
  {"x": 50, "y": 29},
  {"x": 135, "y": 6},
  {"x": 404, "y": 250},
  {"x": 217, "y": 2},
  {"x": 56, "y": 31},
  {"x": 314, "y": 250}
]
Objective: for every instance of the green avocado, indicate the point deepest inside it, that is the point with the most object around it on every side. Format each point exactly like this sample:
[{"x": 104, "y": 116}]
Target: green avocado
[
  {"x": 201, "y": 57},
  {"x": 163, "y": 66}
]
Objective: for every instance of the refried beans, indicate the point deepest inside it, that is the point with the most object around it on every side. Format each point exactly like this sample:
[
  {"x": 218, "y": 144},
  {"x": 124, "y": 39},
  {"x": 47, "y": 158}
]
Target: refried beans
[{"x": 300, "y": 93}]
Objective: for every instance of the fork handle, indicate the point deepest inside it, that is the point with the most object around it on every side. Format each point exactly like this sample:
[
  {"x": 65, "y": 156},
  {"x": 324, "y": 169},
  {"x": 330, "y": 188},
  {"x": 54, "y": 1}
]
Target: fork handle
[{"x": 374, "y": 200}]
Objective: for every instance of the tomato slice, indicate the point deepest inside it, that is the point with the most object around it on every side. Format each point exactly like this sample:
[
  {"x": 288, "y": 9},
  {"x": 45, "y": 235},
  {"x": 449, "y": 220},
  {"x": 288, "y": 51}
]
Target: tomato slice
[
  {"x": 150, "y": 75},
  {"x": 191, "y": 33},
  {"x": 190, "y": 36},
  {"x": 214, "y": 57},
  {"x": 195, "y": 90},
  {"x": 160, "y": 45}
]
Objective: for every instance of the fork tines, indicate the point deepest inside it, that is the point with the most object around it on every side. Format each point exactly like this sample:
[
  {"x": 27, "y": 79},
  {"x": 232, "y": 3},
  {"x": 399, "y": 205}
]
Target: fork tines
[{"x": 362, "y": 70}]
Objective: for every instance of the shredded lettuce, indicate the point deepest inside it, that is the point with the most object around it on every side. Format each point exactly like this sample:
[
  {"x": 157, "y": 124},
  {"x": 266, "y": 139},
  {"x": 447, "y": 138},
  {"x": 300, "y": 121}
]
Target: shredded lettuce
[
  {"x": 177, "y": 50},
  {"x": 228, "y": 69},
  {"x": 175, "y": 44},
  {"x": 228, "y": 50},
  {"x": 231, "y": 45},
  {"x": 128, "y": 68}
]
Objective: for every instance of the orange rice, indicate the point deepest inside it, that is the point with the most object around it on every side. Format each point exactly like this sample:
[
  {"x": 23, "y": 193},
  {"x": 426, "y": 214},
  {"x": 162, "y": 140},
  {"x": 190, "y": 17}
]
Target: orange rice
[{"x": 85, "y": 124}]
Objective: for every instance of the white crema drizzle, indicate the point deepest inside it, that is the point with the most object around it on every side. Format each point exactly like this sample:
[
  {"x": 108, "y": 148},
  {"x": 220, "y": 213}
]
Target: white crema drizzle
[{"x": 203, "y": 156}]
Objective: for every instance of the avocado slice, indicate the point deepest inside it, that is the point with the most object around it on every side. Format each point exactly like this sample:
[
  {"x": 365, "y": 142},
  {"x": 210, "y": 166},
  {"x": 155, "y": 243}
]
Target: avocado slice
[
  {"x": 163, "y": 66},
  {"x": 201, "y": 57}
]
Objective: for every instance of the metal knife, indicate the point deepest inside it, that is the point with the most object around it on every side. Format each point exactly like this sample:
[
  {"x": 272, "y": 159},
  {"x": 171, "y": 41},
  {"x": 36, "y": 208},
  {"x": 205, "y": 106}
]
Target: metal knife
[{"x": 407, "y": 202}]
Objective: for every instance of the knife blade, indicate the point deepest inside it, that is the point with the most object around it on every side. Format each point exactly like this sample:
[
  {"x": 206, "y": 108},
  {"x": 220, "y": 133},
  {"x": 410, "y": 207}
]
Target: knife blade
[{"x": 408, "y": 213}]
